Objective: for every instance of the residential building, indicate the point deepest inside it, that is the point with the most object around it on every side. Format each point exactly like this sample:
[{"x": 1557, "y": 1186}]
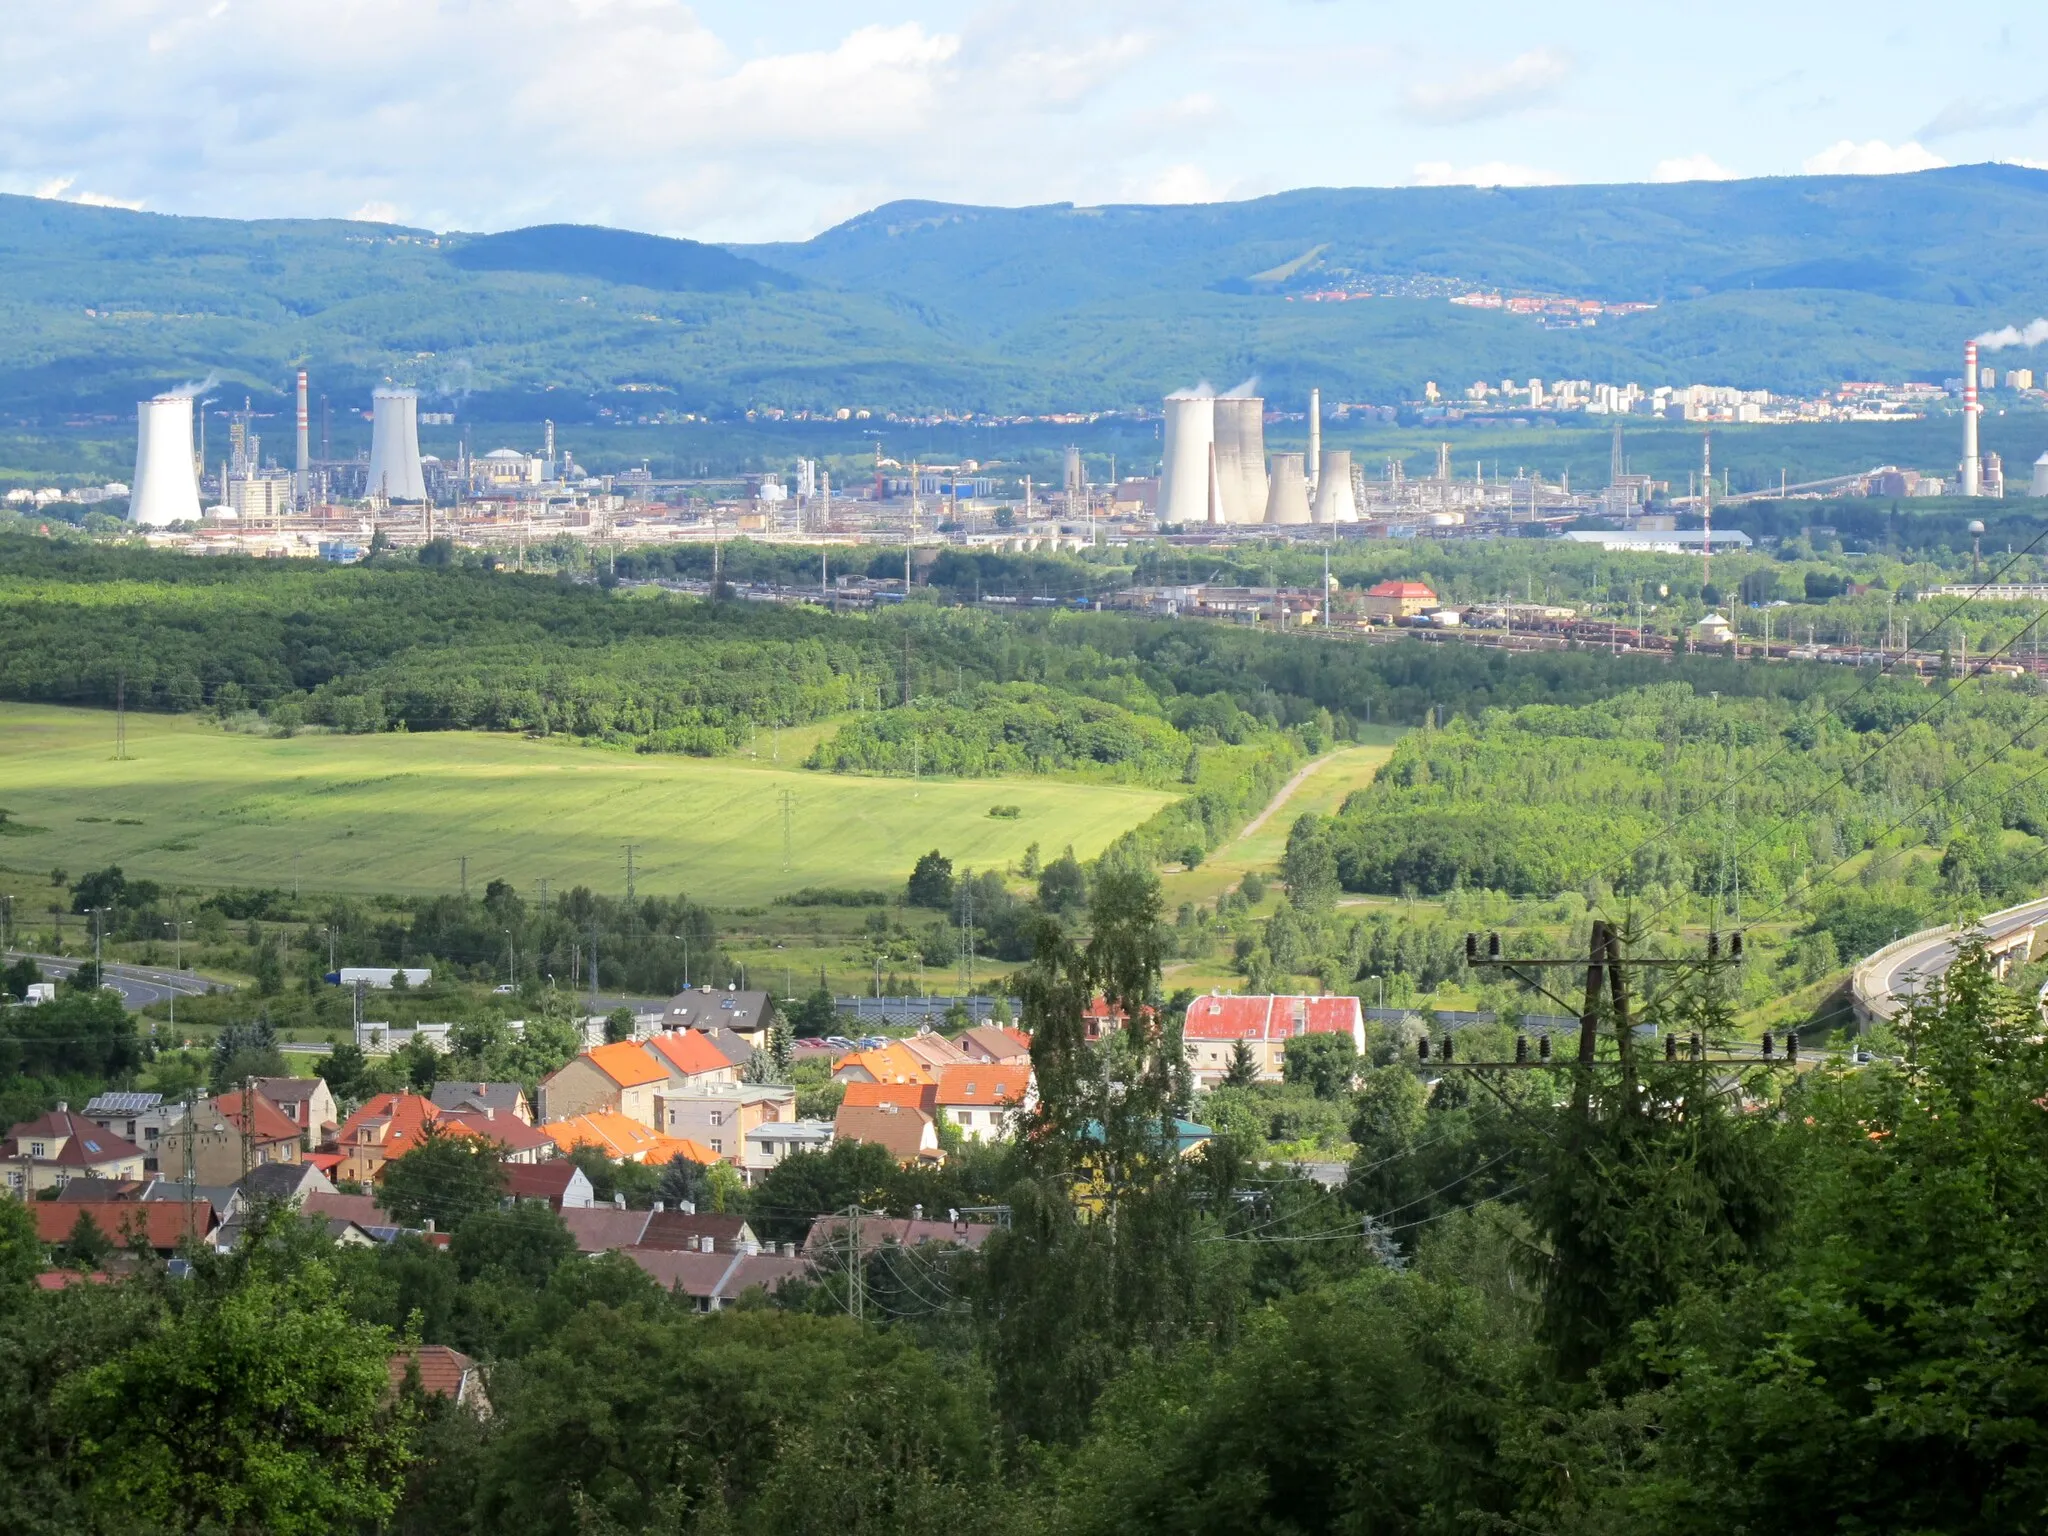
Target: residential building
[
  {"x": 1398, "y": 600},
  {"x": 305, "y": 1101},
  {"x": 163, "y": 1227},
  {"x": 382, "y": 1130},
  {"x": 891, "y": 1062},
  {"x": 735, "y": 1047},
  {"x": 604, "y": 1228},
  {"x": 285, "y": 1183},
  {"x": 53, "y": 1149},
  {"x": 503, "y": 1098},
  {"x": 222, "y": 1138},
  {"x": 520, "y": 1142},
  {"x": 440, "y": 1371},
  {"x": 558, "y": 1183},
  {"x": 622, "y": 1140},
  {"x": 909, "y": 1134},
  {"x": 717, "y": 1280},
  {"x": 920, "y": 1096},
  {"x": 140, "y": 1118},
  {"x": 994, "y": 1042},
  {"x": 706, "y": 1008},
  {"x": 701, "y": 1231},
  {"x": 690, "y": 1059},
  {"x": 621, "y": 1079},
  {"x": 983, "y": 1099},
  {"x": 770, "y": 1143},
  {"x": 828, "y": 1232},
  {"x": 934, "y": 1049},
  {"x": 1217, "y": 1023},
  {"x": 719, "y": 1115}
]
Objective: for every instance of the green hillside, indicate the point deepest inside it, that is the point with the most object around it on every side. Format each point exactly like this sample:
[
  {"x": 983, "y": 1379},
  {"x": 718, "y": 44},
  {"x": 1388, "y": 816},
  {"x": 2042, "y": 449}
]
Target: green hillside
[{"x": 1790, "y": 284}]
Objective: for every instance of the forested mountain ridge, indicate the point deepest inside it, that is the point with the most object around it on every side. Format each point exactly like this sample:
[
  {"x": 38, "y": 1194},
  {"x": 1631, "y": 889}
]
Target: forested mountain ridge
[{"x": 1784, "y": 283}]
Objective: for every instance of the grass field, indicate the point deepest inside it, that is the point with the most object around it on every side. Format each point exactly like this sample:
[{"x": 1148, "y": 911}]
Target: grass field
[{"x": 204, "y": 806}]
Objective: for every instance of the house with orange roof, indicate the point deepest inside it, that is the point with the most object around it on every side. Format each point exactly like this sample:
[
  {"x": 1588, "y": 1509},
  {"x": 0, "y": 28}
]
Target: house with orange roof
[
  {"x": 621, "y": 1139},
  {"x": 982, "y": 1098},
  {"x": 382, "y": 1130},
  {"x": 1218, "y": 1023},
  {"x": 891, "y": 1062},
  {"x": 689, "y": 1058},
  {"x": 924, "y": 1096},
  {"x": 621, "y": 1079}
]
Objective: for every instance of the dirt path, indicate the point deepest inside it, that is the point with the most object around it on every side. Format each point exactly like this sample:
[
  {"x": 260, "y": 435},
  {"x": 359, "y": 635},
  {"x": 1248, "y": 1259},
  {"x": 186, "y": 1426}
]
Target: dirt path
[{"x": 1286, "y": 794}]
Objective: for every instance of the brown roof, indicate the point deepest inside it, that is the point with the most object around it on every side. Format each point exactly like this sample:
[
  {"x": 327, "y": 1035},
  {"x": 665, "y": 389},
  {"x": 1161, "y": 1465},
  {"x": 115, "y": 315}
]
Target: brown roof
[
  {"x": 718, "y": 1277},
  {"x": 501, "y": 1126},
  {"x": 161, "y": 1224},
  {"x": 686, "y": 1229},
  {"x": 901, "y": 1230},
  {"x": 86, "y": 1144},
  {"x": 601, "y": 1228},
  {"x": 64, "y": 1279},
  {"x": 995, "y": 1042},
  {"x": 287, "y": 1090},
  {"x": 443, "y": 1372},
  {"x": 86, "y": 1189},
  {"x": 547, "y": 1181},
  {"x": 902, "y": 1131},
  {"x": 272, "y": 1124},
  {"x": 360, "y": 1209}
]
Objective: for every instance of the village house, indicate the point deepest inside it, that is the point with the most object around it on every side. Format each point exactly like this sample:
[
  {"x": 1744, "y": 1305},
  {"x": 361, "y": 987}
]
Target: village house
[
  {"x": 994, "y": 1042},
  {"x": 305, "y": 1101},
  {"x": 718, "y": 1116},
  {"x": 212, "y": 1144},
  {"x": 382, "y": 1130},
  {"x": 1217, "y": 1023},
  {"x": 907, "y": 1132},
  {"x": 137, "y": 1117},
  {"x": 51, "y": 1150},
  {"x": 621, "y": 1079},
  {"x": 498, "y": 1098},
  {"x": 982, "y": 1098}
]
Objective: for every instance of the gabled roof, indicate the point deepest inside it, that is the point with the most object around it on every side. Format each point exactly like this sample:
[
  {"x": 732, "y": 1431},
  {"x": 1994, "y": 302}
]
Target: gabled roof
[
  {"x": 908, "y": 1233},
  {"x": 1409, "y": 589},
  {"x": 995, "y": 1042},
  {"x": 908, "y": 1133},
  {"x": 619, "y": 1138},
  {"x": 922, "y": 1096},
  {"x": 90, "y": 1189},
  {"x": 934, "y": 1050},
  {"x": 161, "y": 1224},
  {"x": 708, "y": 1008},
  {"x": 687, "y": 1229},
  {"x": 402, "y": 1116},
  {"x": 547, "y": 1181},
  {"x": 505, "y": 1098},
  {"x": 984, "y": 1083},
  {"x": 288, "y": 1090},
  {"x": 602, "y": 1228},
  {"x": 735, "y": 1048},
  {"x": 441, "y": 1372},
  {"x": 501, "y": 1126},
  {"x": 284, "y": 1181},
  {"x": 688, "y": 1052},
  {"x": 626, "y": 1063},
  {"x": 1269, "y": 1017},
  {"x": 271, "y": 1123},
  {"x": 360, "y": 1209},
  {"x": 890, "y": 1062},
  {"x": 716, "y": 1277}
]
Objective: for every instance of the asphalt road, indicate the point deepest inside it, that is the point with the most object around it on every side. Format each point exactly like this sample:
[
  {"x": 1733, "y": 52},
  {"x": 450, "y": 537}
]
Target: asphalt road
[
  {"x": 139, "y": 985},
  {"x": 1908, "y": 971}
]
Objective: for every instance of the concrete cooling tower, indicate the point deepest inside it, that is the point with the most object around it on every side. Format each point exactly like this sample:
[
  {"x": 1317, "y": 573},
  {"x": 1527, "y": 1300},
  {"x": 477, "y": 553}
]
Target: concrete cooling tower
[
  {"x": 1334, "y": 501},
  {"x": 1287, "y": 500},
  {"x": 1241, "y": 457},
  {"x": 166, "y": 487},
  {"x": 395, "y": 446},
  {"x": 1190, "y": 437}
]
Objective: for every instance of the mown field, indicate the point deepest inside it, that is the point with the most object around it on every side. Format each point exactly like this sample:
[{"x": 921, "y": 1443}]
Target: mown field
[{"x": 397, "y": 812}]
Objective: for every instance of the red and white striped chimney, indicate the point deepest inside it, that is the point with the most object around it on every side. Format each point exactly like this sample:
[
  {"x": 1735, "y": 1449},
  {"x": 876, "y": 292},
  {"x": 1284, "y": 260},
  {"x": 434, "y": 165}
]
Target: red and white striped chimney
[{"x": 1973, "y": 467}]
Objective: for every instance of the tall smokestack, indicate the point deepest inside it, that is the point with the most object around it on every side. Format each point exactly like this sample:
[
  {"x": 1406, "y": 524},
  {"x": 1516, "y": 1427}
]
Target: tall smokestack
[
  {"x": 302, "y": 484},
  {"x": 1315, "y": 437},
  {"x": 1973, "y": 466}
]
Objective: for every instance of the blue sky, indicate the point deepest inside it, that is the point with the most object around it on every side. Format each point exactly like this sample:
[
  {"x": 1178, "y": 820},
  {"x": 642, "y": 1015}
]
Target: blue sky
[{"x": 749, "y": 121}]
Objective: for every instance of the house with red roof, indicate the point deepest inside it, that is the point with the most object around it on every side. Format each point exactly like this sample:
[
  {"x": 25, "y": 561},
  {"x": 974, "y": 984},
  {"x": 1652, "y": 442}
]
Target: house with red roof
[
  {"x": 1218, "y": 1023},
  {"x": 982, "y": 1097},
  {"x": 53, "y": 1149},
  {"x": 522, "y": 1143},
  {"x": 223, "y": 1138},
  {"x": 1399, "y": 600},
  {"x": 161, "y": 1225},
  {"x": 439, "y": 1371},
  {"x": 689, "y": 1058}
]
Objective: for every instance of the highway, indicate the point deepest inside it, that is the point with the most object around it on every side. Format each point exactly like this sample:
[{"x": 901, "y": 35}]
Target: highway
[
  {"x": 1902, "y": 968},
  {"x": 139, "y": 985}
]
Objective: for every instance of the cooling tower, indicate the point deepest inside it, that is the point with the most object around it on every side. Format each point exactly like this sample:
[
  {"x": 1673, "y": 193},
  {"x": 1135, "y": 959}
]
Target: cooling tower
[
  {"x": 166, "y": 486},
  {"x": 1287, "y": 500},
  {"x": 2039, "y": 487},
  {"x": 395, "y": 446},
  {"x": 1241, "y": 457},
  {"x": 1190, "y": 434},
  {"x": 1334, "y": 502}
]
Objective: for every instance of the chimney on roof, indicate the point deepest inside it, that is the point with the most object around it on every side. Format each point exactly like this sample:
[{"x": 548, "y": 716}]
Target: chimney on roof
[
  {"x": 917, "y": 1213},
  {"x": 687, "y": 1207},
  {"x": 63, "y": 1108},
  {"x": 618, "y": 1202},
  {"x": 789, "y": 1250},
  {"x": 430, "y": 1225}
]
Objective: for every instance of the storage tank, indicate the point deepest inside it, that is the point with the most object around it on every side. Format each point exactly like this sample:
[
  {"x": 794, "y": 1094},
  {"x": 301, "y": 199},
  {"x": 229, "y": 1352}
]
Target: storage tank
[
  {"x": 1287, "y": 497},
  {"x": 166, "y": 485},
  {"x": 1241, "y": 457},
  {"x": 1190, "y": 435},
  {"x": 395, "y": 471},
  {"x": 1334, "y": 501}
]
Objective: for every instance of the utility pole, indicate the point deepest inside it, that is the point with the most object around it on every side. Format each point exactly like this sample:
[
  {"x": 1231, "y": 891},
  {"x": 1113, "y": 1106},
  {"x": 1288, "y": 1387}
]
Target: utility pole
[
  {"x": 788, "y": 805},
  {"x": 856, "y": 1272},
  {"x": 630, "y": 848},
  {"x": 465, "y": 877},
  {"x": 121, "y": 717},
  {"x": 248, "y": 1127}
]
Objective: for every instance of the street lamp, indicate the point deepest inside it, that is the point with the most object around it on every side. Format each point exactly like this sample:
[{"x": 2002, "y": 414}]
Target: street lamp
[
  {"x": 511, "y": 973},
  {"x": 684, "y": 940}
]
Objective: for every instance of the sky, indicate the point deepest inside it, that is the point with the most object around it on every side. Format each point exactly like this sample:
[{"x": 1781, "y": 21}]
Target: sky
[{"x": 771, "y": 121}]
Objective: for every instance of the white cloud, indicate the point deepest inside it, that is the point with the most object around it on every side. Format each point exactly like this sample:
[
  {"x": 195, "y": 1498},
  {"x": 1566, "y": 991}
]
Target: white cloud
[
  {"x": 1528, "y": 80},
  {"x": 58, "y": 189},
  {"x": 1693, "y": 168},
  {"x": 1493, "y": 173},
  {"x": 1183, "y": 184},
  {"x": 376, "y": 212},
  {"x": 1874, "y": 157}
]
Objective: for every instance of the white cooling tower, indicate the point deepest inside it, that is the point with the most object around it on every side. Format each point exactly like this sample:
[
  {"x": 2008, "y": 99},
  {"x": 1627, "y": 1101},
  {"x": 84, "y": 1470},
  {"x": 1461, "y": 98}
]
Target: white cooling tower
[
  {"x": 166, "y": 486},
  {"x": 1190, "y": 435},
  {"x": 395, "y": 446},
  {"x": 1287, "y": 500},
  {"x": 2039, "y": 487},
  {"x": 1241, "y": 457},
  {"x": 1334, "y": 501}
]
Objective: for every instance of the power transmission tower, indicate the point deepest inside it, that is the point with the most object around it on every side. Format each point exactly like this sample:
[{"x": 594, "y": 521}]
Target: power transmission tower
[
  {"x": 630, "y": 849},
  {"x": 856, "y": 1272},
  {"x": 465, "y": 876},
  {"x": 788, "y": 805}
]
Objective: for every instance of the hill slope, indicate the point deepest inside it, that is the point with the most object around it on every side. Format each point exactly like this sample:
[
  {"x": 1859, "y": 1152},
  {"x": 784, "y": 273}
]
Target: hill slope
[{"x": 1790, "y": 284}]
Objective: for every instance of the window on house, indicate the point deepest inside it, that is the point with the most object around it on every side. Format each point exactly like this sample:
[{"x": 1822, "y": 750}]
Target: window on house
[
  {"x": 718, "y": 1147},
  {"x": 718, "y": 1117},
  {"x": 35, "y": 1149}
]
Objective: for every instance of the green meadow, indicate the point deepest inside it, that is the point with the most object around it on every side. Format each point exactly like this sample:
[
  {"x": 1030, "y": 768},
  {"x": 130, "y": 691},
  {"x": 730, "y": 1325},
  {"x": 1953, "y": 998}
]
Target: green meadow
[{"x": 202, "y": 805}]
